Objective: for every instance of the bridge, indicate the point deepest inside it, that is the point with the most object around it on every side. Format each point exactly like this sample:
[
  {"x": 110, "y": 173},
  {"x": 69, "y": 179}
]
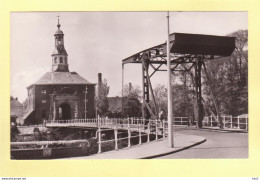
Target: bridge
[
  {"x": 136, "y": 124},
  {"x": 139, "y": 127},
  {"x": 130, "y": 132}
]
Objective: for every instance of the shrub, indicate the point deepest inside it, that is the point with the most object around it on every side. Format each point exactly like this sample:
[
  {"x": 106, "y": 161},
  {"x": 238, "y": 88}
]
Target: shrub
[{"x": 14, "y": 133}]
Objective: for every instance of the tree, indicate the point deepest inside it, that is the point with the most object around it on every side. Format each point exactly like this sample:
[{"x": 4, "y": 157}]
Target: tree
[
  {"x": 102, "y": 100},
  {"x": 230, "y": 77},
  {"x": 11, "y": 98},
  {"x": 131, "y": 101},
  {"x": 182, "y": 96},
  {"x": 160, "y": 93}
]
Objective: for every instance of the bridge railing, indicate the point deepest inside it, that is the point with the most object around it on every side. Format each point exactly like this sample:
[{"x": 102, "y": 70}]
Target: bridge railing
[
  {"x": 229, "y": 122},
  {"x": 181, "y": 121},
  {"x": 107, "y": 121},
  {"x": 96, "y": 122},
  {"x": 136, "y": 128}
]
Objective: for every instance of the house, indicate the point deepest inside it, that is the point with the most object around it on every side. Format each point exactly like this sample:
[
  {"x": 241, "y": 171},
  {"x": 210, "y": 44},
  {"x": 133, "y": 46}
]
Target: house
[{"x": 16, "y": 112}]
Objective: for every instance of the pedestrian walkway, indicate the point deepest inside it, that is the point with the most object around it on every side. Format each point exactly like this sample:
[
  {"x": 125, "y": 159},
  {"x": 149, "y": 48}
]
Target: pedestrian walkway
[{"x": 151, "y": 149}]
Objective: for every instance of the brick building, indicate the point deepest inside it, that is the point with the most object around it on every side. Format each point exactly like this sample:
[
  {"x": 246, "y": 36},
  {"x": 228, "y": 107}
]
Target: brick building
[{"x": 59, "y": 94}]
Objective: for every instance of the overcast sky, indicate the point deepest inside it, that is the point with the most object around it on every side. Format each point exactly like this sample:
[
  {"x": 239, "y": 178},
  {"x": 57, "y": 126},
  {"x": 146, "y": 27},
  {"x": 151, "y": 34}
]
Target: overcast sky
[{"x": 98, "y": 41}]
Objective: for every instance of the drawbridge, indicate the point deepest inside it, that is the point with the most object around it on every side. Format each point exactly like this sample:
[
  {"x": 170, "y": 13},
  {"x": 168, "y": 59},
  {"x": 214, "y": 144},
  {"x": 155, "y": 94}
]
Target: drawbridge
[{"x": 188, "y": 53}]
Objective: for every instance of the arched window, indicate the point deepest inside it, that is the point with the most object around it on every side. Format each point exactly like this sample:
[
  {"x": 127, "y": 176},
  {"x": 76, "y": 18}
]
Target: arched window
[
  {"x": 59, "y": 40},
  {"x": 56, "y": 40},
  {"x": 61, "y": 60}
]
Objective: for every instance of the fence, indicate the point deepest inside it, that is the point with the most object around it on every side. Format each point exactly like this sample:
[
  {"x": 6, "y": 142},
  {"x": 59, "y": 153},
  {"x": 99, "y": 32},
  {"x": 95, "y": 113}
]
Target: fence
[
  {"x": 137, "y": 131},
  {"x": 229, "y": 122},
  {"x": 181, "y": 121},
  {"x": 111, "y": 122},
  {"x": 136, "y": 128},
  {"x": 27, "y": 153},
  {"x": 44, "y": 149}
]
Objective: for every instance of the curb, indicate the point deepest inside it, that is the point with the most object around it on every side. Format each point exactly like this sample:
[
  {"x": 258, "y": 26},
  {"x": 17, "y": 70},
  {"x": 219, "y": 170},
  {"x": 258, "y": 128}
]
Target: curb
[
  {"x": 223, "y": 130},
  {"x": 174, "y": 151},
  {"x": 219, "y": 130}
]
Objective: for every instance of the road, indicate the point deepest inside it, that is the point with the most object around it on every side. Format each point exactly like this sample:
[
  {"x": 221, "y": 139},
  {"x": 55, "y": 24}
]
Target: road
[{"x": 218, "y": 145}]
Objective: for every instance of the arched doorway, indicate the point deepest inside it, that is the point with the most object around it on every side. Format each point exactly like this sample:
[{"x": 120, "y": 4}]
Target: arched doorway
[{"x": 64, "y": 111}]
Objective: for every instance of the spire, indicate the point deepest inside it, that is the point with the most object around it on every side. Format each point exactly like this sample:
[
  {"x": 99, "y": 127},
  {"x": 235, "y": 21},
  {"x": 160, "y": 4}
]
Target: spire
[
  {"x": 58, "y": 21},
  {"x": 59, "y": 55}
]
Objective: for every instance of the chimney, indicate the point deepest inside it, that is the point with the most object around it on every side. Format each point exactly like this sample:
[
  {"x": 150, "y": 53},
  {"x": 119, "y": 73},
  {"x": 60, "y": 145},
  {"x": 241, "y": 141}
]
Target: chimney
[
  {"x": 99, "y": 78},
  {"x": 99, "y": 82},
  {"x": 130, "y": 87}
]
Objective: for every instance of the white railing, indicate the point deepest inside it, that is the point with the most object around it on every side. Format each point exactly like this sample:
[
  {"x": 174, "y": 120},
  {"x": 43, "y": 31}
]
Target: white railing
[
  {"x": 134, "y": 130},
  {"x": 229, "y": 122},
  {"x": 136, "y": 127},
  {"x": 100, "y": 122},
  {"x": 181, "y": 121},
  {"x": 111, "y": 122}
]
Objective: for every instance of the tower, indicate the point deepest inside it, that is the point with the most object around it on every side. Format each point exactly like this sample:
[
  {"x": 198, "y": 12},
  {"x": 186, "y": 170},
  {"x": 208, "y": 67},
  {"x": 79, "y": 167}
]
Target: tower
[
  {"x": 59, "y": 55},
  {"x": 59, "y": 94}
]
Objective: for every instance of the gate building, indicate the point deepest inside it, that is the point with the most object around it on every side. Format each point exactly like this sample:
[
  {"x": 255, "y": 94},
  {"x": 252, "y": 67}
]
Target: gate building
[{"x": 59, "y": 94}]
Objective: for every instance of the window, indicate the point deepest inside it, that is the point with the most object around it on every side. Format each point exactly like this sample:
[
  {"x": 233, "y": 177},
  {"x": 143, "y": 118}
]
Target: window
[
  {"x": 65, "y": 60},
  {"x": 59, "y": 40},
  {"x": 61, "y": 60},
  {"x": 55, "y": 60},
  {"x": 60, "y": 113},
  {"x": 43, "y": 91}
]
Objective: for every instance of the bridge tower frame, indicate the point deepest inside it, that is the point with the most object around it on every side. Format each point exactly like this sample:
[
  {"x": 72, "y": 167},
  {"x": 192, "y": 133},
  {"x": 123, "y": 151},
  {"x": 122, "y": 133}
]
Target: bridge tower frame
[{"x": 188, "y": 53}]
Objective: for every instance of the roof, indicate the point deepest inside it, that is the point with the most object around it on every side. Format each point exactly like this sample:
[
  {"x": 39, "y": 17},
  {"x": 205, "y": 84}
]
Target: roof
[
  {"x": 57, "y": 78},
  {"x": 202, "y": 44},
  {"x": 16, "y": 108},
  {"x": 186, "y": 45},
  {"x": 58, "y": 32},
  {"x": 15, "y": 102}
]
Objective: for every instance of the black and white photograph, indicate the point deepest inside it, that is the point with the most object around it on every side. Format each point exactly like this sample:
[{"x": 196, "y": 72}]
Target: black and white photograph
[{"x": 129, "y": 85}]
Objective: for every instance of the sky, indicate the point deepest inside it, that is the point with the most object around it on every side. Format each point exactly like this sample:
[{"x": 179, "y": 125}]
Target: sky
[{"x": 97, "y": 42}]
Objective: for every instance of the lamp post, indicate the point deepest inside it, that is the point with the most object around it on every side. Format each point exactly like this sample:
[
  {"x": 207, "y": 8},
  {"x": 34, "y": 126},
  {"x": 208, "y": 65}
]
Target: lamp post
[
  {"x": 169, "y": 91},
  {"x": 85, "y": 101}
]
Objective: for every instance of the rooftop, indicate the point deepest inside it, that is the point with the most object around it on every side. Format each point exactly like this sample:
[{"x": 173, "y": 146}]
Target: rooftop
[
  {"x": 72, "y": 78},
  {"x": 58, "y": 32}
]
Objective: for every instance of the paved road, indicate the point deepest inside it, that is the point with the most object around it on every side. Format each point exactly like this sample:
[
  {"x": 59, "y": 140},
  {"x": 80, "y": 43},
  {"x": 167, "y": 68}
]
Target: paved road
[{"x": 218, "y": 145}]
